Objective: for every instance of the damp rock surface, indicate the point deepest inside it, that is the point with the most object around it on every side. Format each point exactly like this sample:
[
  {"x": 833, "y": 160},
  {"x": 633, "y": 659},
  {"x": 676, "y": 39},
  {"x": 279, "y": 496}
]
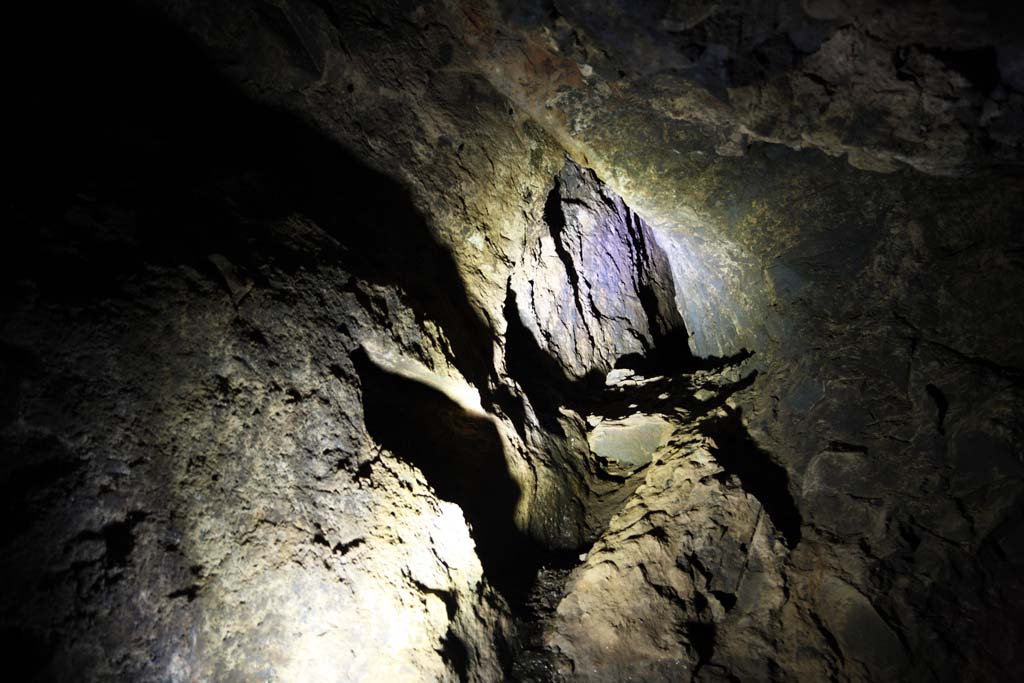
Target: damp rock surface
[{"x": 630, "y": 441}]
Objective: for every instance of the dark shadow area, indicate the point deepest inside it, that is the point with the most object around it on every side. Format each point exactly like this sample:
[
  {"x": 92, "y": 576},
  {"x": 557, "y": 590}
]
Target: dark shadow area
[
  {"x": 719, "y": 362},
  {"x": 29, "y": 654},
  {"x": 759, "y": 475},
  {"x": 671, "y": 351},
  {"x": 980, "y": 66},
  {"x": 38, "y": 471},
  {"x": 554, "y": 218},
  {"x": 461, "y": 456},
  {"x": 529, "y": 659},
  {"x": 656, "y": 289},
  {"x": 135, "y": 151},
  {"x": 701, "y": 636},
  {"x": 455, "y": 654},
  {"x": 941, "y": 405},
  {"x": 539, "y": 374}
]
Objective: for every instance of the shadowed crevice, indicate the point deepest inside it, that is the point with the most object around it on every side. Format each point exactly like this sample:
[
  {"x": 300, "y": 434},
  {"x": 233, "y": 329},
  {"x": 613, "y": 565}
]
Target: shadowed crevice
[
  {"x": 554, "y": 217},
  {"x": 541, "y": 377},
  {"x": 941, "y": 406},
  {"x": 759, "y": 475},
  {"x": 462, "y": 457}
]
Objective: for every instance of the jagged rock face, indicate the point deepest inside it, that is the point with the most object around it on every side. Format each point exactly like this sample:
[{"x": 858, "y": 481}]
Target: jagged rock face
[
  {"x": 299, "y": 382},
  {"x": 233, "y": 520},
  {"x": 598, "y": 287}
]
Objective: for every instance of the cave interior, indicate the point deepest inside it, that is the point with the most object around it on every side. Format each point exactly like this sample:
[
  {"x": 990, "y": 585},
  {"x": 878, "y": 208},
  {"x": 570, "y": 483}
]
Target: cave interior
[{"x": 514, "y": 340}]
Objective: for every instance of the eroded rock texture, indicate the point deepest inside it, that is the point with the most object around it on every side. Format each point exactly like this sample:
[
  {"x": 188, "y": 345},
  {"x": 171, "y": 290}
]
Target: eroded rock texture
[{"x": 541, "y": 341}]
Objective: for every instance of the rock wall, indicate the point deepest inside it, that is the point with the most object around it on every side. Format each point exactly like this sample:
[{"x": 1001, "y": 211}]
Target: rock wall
[
  {"x": 192, "y": 487},
  {"x": 599, "y": 287}
]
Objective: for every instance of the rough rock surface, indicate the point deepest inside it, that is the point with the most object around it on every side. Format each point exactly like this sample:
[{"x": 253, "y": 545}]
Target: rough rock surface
[
  {"x": 305, "y": 312},
  {"x": 187, "y": 438},
  {"x": 599, "y": 288}
]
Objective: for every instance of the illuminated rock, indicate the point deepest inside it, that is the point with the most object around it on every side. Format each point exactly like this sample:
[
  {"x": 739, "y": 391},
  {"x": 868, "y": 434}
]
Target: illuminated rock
[{"x": 630, "y": 441}]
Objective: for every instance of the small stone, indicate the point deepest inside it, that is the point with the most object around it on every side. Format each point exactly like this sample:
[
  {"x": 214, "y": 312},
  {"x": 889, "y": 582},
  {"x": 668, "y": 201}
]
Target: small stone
[{"x": 618, "y": 376}]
